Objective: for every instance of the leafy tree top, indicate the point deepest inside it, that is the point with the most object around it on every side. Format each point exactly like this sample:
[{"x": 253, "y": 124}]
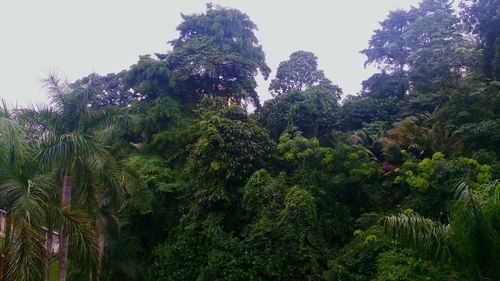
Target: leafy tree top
[
  {"x": 426, "y": 42},
  {"x": 299, "y": 72},
  {"x": 218, "y": 53}
]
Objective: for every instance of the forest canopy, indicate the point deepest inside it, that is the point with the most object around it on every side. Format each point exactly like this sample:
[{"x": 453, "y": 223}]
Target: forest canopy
[{"x": 162, "y": 172}]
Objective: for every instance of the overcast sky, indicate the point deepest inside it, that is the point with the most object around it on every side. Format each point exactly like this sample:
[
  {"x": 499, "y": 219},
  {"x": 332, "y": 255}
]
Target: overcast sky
[{"x": 76, "y": 38}]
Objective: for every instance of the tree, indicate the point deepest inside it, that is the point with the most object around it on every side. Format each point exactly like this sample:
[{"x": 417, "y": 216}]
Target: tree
[
  {"x": 440, "y": 54},
  {"x": 387, "y": 47},
  {"x": 340, "y": 177},
  {"x": 357, "y": 111},
  {"x": 73, "y": 143},
  {"x": 471, "y": 239},
  {"x": 227, "y": 149},
  {"x": 280, "y": 215},
  {"x": 428, "y": 182},
  {"x": 314, "y": 111},
  {"x": 29, "y": 198},
  {"x": 299, "y": 72},
  {"x": 426, "y": 42},
  {"x": 384, "y": 85},
  {"x": 421, "y": 140},
  {"x": 483, "y": 19},
  {"x": 150, "y": 78},
  {"x": 25, "y": 256},
  {"x": 109, "y": 90},
  {"x": 218, "y": 54}
]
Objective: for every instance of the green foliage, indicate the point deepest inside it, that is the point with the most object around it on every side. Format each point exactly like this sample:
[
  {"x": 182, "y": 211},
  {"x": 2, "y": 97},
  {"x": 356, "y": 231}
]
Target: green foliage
[
  {"x": 29, "y": 196},
  {"x": 288, "y": 216},
  {"x": 218, "y": 53},
  {"x": 482, "y": 18},
  {"x": 422, "y": 140},
  {"x": 402, "y": 265},
  {"x": 440, "y": 52},
  {"x": 436, "y": 170},
  {"x": 150, "y": 78},
  {"x": 383, "y": 85},
  {"x": 314, "y": 111},
  {"x": 165, "y": 126},
  {"x": 432, "y": 179},
  {"x": 486, "y": 133},
  {"x": 357, "y": 260},
  {"x": 297, "y": 74},
  {"x": 358, "y": 111},
  {"x": 426, "y": 42},
  {"x": 470, "y": 240},
  {"x": 262, "y": 193},
  {"x": 298, "y": 150},
  {"x": 230, "y": 146},
  {"x": 194, "y": 187},
  {"x": 299, "y": 214}
]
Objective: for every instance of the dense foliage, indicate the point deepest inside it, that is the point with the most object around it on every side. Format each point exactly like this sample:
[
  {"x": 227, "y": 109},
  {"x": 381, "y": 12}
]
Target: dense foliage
[{"x": 159, "y": 172}]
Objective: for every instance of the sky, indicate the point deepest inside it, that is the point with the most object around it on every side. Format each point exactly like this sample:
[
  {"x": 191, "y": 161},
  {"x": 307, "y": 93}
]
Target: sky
[{"x": 76, "y": 38}]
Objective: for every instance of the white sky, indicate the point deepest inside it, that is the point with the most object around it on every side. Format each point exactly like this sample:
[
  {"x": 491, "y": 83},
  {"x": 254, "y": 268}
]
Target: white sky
[{"x": 76, "y": 38}]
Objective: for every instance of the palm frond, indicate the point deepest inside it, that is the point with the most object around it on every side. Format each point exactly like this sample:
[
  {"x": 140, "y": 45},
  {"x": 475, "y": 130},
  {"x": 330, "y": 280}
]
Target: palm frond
[
  {"x": 79, "y": 227},
  {"x": 41, "y": 120},
  {"x": 27, "y": 199},
  {"x": 57, "y": 88},
  {"x": 427, "y": 236},
  {"x": 25, "y": 254},
  {"x": 12, "y": 138},
  {"x": 106, "y": 122},
  {"x": 472, "y": 236},
  {"x": 64, "y": 148},
  {"x": 476, "y": 237}
]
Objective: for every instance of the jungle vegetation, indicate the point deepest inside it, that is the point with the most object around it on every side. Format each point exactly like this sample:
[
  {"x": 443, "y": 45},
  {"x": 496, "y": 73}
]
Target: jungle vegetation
[{"x": 173, "y": 169}]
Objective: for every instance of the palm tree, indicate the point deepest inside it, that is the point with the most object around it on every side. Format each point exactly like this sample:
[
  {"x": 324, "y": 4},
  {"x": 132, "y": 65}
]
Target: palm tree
[
  {"x": 423, "y": 140},
  {"x": 24, "y": 257},
  {"x": 471, "y": 239},
  {"x": 73, "y": 143},
  {"x": 29, "y": 199}
]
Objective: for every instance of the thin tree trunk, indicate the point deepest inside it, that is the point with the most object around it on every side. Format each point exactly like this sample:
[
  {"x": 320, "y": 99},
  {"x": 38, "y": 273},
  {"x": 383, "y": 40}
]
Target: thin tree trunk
[
  {"x": 1, "y": 266},
  {"x": 101, "y": 243},
  {"x": 8, "y": 232},
  {"x": 48, "y": 245},
  {"x": 6, "y": 241},
  {"x": 64, "y": 239}
]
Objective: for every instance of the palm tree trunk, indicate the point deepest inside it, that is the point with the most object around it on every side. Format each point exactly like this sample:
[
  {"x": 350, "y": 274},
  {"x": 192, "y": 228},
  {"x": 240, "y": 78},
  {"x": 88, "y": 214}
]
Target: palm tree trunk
[
  {"x": 48, "y": 245},
  {"x": 64, "y": 240},
  {"x": 1, "y": 266},
  {"x": 101, "y": 243},
  {"x": 8, "y": 232},
  {"x": 6, "y": 240}
]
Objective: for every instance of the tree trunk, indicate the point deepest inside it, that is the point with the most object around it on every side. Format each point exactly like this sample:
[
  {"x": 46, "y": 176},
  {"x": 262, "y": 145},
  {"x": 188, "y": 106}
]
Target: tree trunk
[
  {"x": 64, "y": 239},
  {"x": 101, "y": 243},
  {"x": 1, "y": 266},
  {"x": 48, "y": 245},
  {"x": 6, "y": 240}
]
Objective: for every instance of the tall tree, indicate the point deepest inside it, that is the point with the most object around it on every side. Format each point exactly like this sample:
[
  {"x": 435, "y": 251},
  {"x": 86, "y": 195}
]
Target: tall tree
[
  {"x": 110, "y": 90},
  {"x": 384, "y": 85},
  {"x": 74, "y": 144},
  {"x": 441, "y": 53},
  {"x": 314, "y": 111},
  {"x": 217, "y": 53},
  {"x": 23, "y": 198},
  {"x": 299, "y": 72},
  {"x": 29, "y": 198},
  {"x": 483, "y": 19},
  {"x": 387, "y": 47},
  {"x": 427, "y": 42}
]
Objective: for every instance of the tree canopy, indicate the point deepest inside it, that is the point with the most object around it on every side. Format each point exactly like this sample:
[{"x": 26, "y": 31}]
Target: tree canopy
[{"x": 163, "y": 172}]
